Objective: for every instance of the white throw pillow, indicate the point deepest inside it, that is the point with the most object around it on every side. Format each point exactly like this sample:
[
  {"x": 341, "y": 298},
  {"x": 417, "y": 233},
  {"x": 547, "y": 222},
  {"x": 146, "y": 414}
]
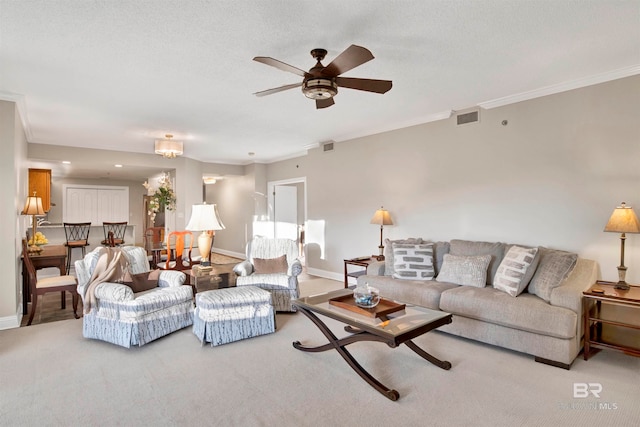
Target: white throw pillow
[
  {"x": 514, "y": 270},
  {"x": 465, "y": 270},
  {"x": 413, "y": 262}
]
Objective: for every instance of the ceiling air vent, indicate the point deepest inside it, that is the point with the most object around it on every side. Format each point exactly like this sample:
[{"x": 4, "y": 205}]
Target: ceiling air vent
[
  {"x": 469, "y": 117},
  {"x": 327, "y": 146}
]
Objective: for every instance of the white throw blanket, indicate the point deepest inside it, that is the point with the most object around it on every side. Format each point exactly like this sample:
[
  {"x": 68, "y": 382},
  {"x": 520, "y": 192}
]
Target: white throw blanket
[{"x": 110, "y": 267}]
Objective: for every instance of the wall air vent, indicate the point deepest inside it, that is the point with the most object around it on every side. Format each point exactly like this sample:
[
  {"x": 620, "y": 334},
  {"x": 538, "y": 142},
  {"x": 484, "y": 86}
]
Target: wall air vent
[
  {"x": 327, "y": 146},
  {"x": 469, "y": 117}
]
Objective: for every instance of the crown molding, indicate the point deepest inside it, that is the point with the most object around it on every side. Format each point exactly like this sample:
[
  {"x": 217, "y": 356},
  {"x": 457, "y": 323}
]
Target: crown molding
[
  {"x": 562, "y": 87},
  {"x": 443, "y": 115},
  {"x": 22, "y": 110}
]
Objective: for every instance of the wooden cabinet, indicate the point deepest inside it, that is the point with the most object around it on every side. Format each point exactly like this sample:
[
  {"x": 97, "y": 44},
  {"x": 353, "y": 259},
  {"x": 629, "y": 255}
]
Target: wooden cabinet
[{"x": 40, "y": 182}]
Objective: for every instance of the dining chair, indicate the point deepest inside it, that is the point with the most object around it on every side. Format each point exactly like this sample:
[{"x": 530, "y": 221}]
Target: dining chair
[
  {"x": 118, "y": 229},
  {"x": 45, "y": 285},
  {"x": 153, "y": 243},
  {"x": 77, "y": 235},
  {"x": 179, "y": 247}
]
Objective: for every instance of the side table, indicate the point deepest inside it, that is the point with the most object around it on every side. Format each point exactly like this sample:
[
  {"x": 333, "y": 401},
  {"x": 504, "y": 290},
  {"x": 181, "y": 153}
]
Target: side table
[
  {"x": 208, "y": 281},
  {"x": 611, "y": 319},
  {"x": 360, "y": 262}
]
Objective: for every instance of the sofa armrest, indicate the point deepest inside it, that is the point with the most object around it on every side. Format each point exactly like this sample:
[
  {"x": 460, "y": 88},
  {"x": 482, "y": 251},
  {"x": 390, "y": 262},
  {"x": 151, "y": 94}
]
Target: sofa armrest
[
  {"x": 376, "y": 268},
  {"x": 569, "y": 293},
  {"x": 245, "y": 268},
  {"x": 171, "y": 278},
  {"x": 296, "y": 268},
  {"x": 113, "y": 292}
]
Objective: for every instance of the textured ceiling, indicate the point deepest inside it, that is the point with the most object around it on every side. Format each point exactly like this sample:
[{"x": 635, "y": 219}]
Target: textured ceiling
[{"x": 117, "y": 74}]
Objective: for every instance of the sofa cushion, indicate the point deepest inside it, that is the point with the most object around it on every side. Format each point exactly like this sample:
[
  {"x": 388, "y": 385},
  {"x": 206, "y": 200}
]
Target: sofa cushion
[
  {"x": 465, "y": 270},
  {"x": 425, "y": 293},
  {"x": 471, "y": 248},
  {"x": 527, "y": 312},
  {"x": 439, "y": 249},
  {"x": 514, "y": 269},
  {"x": 388, "y": 252},
  {"x": 553, "y": 268},
  {"x": 413, "y": 262}
]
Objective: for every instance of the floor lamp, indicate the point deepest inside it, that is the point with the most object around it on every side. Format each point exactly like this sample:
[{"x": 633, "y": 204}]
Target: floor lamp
[
  {"x": 381, "y": 217},
  {"x": 623, "y": 220},
  {"x": 205, "y": 218}
]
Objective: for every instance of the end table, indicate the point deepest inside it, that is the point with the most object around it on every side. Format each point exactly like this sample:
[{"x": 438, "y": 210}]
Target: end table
[
  {"x": 360, "y": 262},
  {"x": 611, "y": 319}
]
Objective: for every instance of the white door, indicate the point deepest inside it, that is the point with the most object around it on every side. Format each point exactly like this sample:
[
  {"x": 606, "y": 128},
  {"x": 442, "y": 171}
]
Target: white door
[
  {"x": 285, "y": 215},
  {"x": 80, "y": 205}
]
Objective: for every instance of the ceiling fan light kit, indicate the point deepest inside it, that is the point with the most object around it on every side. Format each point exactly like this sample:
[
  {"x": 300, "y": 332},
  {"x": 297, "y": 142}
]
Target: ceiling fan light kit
[
  {"x": 321, "y": 83},
  {"x": 319, "y": 88}
]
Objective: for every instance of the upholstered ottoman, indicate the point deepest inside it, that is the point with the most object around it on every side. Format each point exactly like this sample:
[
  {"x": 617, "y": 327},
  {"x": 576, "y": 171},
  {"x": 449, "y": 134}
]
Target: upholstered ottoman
[{"x": 226, "y": 315}]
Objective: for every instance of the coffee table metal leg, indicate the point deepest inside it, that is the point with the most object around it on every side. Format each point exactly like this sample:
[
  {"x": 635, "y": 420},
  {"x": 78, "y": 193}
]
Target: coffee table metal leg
[
  {"x": 339, "y": 345},
  {"x": 439, "y": 363}
]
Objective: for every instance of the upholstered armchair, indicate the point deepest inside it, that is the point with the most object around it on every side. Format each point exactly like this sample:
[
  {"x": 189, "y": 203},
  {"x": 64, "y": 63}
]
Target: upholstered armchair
[
  {"x": 120, "y": 316},
  {"x": 273, "y": 265}
]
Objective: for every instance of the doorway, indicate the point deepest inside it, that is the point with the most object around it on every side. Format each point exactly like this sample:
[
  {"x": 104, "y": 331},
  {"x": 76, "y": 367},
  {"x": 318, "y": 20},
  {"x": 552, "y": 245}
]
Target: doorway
[{"x": 287, "y": 205}]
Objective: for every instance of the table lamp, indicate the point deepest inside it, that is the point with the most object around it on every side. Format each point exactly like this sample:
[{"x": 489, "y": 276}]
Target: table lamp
[
  {"x": 623, "y": 220},
  {"x": 33, "y": 207},
  {"x": 205, "y": 218},
  {"x": 381, "y": 217}
]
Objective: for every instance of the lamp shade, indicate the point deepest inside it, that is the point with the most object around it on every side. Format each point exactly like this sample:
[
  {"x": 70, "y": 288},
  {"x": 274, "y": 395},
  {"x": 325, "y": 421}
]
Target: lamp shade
[
  {"x": 168, "y": 148},
  {"x": 623, "y": 220},
  {"x": 33, "y": 206},
  {"x": 204, "y": 217},
  {"x": 381, "y": 217}
]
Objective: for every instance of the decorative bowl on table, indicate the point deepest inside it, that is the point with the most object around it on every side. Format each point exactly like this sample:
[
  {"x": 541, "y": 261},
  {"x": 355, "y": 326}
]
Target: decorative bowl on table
[{"x": 366, "y": 296}]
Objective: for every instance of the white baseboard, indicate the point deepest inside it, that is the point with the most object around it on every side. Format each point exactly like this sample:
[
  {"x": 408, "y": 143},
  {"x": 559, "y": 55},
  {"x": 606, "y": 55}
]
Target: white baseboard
[
  {"x": 325, "y": 274},
  {"x": 11, "y": 322},
  {"x": 230, "y": 253}
]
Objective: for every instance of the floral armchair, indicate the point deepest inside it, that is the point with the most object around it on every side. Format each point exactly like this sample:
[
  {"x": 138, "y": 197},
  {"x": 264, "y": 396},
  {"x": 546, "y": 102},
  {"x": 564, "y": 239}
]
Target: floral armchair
[
  {"x": 122, "y": 317},
  {"x": 273, "y": 265}
]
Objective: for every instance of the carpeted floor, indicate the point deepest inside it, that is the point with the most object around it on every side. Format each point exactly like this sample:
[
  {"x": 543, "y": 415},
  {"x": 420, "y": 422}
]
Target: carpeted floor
[{"x": 51, "y": 375}]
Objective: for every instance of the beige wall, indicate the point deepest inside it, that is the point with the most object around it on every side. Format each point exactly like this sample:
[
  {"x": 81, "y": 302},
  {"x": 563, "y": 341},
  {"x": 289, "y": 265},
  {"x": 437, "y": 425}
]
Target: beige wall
[
  {"x": 551, "y": 177},
  {"x": 13, "y": 226}
]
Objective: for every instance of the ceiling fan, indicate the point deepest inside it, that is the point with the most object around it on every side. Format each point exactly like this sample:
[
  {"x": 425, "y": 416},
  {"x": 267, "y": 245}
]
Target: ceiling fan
[{"x": 321, "y": 83}]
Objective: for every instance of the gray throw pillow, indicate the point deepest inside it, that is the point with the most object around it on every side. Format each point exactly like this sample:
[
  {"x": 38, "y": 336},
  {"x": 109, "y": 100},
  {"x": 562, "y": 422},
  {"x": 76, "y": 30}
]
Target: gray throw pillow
[
  {"x": 553, "y": 268},
  {"x": 388, "y": 252},
  {"x": 413, "y": 262},
  {"x": 465, "y": 270},
  {"x": 515, "y": 268},
  {"x": 471, "y": 248}
]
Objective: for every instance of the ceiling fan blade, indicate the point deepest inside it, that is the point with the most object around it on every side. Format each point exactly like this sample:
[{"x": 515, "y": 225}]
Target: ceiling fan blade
[
  {"x": 324, "y": 103},
  {"x": 277, "y": 89},
  {"x": 280, "y": 65},
  {"x": 377, "y": 86},
  {"x": 350, "y": 58}
]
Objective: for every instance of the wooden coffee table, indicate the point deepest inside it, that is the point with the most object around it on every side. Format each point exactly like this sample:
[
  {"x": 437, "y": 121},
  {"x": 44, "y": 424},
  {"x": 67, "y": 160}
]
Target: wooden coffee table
[{"x": 394, "y": 329}]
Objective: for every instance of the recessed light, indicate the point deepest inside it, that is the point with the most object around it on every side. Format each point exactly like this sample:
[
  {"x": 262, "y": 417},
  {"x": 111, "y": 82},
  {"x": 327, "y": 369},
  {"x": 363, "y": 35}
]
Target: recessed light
[
  {"x": 118, "y": 166},
  {"x": 66, "y": 162}
]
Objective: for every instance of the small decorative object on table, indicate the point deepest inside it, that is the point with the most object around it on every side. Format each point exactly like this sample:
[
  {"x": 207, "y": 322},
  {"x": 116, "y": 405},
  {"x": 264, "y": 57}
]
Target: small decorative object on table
[{"x": 366, "y": 296}]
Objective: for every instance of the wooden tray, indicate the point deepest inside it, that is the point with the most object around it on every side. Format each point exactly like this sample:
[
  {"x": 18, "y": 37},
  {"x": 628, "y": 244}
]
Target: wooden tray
[{"x": 383, "y": 308}]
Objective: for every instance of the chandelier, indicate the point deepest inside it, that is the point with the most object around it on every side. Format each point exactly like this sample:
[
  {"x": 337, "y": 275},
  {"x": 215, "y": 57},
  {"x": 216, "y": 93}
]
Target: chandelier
[{"x": 168, "y": 148}]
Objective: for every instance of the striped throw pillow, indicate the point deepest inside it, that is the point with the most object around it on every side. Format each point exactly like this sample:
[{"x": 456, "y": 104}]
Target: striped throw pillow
[
  {"x": 413, "y": 262},
  {"x": 510, "y": 277}
]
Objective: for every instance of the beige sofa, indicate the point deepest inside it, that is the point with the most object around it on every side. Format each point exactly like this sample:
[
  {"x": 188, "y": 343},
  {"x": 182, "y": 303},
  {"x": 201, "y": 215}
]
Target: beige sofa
[{"x": 544, "y": 320}]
